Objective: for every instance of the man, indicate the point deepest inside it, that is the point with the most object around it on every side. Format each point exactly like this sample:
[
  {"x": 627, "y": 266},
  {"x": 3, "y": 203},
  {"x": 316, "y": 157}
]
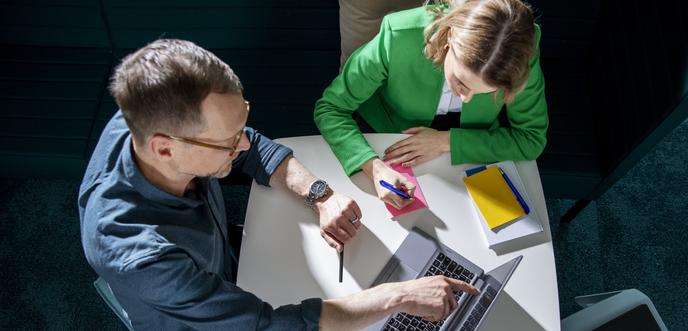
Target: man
[{"x": 152, "y": 213}]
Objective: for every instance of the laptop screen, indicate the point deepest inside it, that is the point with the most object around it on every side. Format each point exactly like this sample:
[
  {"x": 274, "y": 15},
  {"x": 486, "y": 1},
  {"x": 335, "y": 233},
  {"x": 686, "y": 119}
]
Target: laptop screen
[{"x": 638, "y": 318}]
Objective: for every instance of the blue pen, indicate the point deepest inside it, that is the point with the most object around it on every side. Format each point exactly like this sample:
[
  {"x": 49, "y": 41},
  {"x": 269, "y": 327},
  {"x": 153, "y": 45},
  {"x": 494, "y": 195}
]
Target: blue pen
[
  {"x": 520, "y": 199},
  {"x": 391, "y": 187}
]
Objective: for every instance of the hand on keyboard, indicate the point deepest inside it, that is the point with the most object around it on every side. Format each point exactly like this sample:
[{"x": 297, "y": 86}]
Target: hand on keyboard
[{"x": 432, "y": 297}]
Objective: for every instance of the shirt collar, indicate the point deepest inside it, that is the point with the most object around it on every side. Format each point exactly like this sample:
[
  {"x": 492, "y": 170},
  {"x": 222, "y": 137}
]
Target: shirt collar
[
  {"x": 139, "y": 182},
  {"x": 445, "y": 87}
]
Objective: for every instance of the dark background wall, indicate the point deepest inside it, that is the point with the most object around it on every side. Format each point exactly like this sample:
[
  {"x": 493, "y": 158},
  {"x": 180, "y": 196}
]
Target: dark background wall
[
  {"x": 613, "y": 70},
  {"x": 56, "y": 58}
]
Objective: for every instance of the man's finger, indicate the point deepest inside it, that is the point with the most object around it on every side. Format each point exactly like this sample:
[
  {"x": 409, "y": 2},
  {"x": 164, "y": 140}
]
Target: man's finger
[
  {"x": 458, "y": 285},
  {"x": 350, "y": 217},
  {"x": 345, "y": 223},
  {"x": 357, "y": 211},
  {"x": 339, "y": 234},
  {"x": 333, "y": 243},
  {"x": 447, "y": 307},
  {"x": 452, "y": 300}
]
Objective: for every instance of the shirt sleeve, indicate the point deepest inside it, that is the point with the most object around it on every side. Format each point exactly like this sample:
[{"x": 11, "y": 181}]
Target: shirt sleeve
[
  {"x": 526, "y": 137},
  {"x": 364, "y": 72},
  {"x": 263, "y": 157},
  {"x": 173, "y": 285}
]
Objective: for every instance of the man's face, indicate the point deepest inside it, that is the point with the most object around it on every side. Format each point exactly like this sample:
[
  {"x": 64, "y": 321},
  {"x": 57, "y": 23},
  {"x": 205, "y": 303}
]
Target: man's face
[{"x": 224, "y": 116}]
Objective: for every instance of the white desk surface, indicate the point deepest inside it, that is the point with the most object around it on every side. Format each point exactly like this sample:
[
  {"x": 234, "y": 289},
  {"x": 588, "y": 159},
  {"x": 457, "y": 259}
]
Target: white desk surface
[{"x": 284, "y": 260}]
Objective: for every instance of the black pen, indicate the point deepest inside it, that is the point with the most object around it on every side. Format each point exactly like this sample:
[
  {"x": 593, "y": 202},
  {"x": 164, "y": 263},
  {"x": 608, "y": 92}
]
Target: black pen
[{"x": 341, "y": 264}]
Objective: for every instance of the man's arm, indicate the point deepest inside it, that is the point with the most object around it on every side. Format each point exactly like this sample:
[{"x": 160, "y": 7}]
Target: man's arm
[
  {"x": 172, "y": 284},
  {"x": 270, "y": 163},
  {"x": 429, "y": 297},
  {"x": 335, "y": 211}
]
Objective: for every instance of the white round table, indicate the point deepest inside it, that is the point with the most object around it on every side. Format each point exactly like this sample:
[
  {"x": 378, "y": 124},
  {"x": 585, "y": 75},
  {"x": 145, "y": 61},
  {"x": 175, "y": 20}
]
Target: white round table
[{"x": 284, "y": 260}]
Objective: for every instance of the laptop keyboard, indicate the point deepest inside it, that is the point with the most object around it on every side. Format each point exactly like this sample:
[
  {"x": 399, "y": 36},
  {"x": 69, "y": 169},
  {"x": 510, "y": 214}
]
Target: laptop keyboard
[
  {"x": 442, "y": 265},
  {"x": 487, "y": 296}
]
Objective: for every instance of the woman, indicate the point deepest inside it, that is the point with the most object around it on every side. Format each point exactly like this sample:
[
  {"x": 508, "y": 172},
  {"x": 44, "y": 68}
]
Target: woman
[{"x": 425, "y": 67}]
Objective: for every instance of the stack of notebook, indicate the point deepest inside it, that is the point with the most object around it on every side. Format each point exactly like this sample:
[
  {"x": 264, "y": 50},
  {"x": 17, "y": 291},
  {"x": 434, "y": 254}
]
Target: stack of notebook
[{"x": 502, "y": 202}]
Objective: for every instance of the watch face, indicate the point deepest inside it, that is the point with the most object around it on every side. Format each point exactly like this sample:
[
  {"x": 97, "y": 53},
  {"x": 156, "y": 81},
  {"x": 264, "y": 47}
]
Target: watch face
[{"x": 318, "y": 188}]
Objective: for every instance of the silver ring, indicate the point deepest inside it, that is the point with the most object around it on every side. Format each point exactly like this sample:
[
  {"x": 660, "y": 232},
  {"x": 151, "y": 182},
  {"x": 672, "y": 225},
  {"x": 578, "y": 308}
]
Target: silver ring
[{"x": 354, "y": 221}]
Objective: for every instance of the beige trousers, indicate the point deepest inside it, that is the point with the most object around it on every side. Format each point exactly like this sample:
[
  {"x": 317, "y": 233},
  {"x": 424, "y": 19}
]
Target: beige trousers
[{"x": 359, "y": 20}]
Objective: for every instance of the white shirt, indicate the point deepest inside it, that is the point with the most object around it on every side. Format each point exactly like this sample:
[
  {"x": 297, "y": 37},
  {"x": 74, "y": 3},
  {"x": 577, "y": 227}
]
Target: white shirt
[{"x": 448, "y": 101}]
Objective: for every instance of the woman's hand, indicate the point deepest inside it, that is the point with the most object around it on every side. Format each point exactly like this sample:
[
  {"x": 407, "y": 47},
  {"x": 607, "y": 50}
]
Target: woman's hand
[
  {"x": 377, "y": 170},
  {"x": 423, "y": 145}
]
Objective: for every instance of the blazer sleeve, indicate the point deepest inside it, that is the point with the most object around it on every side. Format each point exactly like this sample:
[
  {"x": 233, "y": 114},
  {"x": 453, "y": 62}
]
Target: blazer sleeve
[
  {"x": 364, "y": 72},
  {"x": 524, "y": 140}
]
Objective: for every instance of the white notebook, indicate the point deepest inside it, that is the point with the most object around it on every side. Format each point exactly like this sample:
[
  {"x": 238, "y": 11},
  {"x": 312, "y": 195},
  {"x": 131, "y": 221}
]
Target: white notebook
[{"x": 525, "y": 226}]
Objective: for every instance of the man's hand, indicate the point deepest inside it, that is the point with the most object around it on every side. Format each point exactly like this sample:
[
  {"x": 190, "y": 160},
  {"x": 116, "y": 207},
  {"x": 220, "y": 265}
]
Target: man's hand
[
  {"x": 424, "y": 145},
  {"x": 429, "y": 297},
  {"x": 378, "y": 170},
  {"x": 432, "y": 297},
  {"x": 340, "y": 219}
]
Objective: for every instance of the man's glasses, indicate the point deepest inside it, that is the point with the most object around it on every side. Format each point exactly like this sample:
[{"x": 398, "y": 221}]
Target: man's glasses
[{"x": 231, "y": 149}]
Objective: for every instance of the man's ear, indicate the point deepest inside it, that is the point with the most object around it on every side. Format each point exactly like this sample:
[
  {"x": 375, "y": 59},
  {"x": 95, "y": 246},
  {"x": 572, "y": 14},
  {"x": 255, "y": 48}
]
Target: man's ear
[{"x": 160, "y": 147}]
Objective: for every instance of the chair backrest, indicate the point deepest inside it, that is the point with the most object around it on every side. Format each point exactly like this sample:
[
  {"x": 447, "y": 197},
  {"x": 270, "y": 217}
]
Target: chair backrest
[
  {"x": 622, "y": 310},
  {"x": 108, "y": 296}
]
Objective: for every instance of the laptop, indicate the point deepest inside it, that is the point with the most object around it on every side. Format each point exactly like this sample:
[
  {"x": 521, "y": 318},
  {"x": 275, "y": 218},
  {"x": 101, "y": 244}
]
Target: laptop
[{"x": 421, "y": 255}]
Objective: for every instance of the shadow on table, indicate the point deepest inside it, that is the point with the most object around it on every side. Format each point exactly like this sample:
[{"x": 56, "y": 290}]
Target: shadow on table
[
  {"x": 521, "y": 243},
  {"x": 507, "y": 314},
  {"x": 364, "y": 257}
]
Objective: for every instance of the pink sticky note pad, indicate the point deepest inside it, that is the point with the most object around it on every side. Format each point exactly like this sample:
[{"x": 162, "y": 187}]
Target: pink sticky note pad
[{"x": 418, "y": 197}]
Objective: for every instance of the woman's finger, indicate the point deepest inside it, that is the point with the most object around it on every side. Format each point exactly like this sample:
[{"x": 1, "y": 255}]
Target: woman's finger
[
  {"x": 404, "y": 158},
  {"x": 396, "y": 201},
  {"x": 398, "y": 152},
  {"x": 413, "y": 162},
  {"x": 408, "y": 185},
  {"x": 398, "y": 144}
]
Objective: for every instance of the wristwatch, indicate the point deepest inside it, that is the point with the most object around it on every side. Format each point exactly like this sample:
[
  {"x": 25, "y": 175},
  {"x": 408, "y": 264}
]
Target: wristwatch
[{"x": 318, "y": 189}]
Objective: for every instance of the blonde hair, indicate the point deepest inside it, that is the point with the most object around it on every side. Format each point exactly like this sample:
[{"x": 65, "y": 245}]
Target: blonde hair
[{"x": 493, "y": 38}]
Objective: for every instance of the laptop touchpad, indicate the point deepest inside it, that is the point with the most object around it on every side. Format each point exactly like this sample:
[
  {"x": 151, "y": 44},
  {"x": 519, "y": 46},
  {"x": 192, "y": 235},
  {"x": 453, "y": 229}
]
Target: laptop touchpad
[
  {"x": 402, "y": 273},
  {"x": 416, "y": 250}
]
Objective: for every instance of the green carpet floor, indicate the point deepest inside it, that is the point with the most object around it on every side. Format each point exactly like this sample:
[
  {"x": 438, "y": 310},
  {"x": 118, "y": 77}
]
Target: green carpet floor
[{"x": 632, "y": 237}]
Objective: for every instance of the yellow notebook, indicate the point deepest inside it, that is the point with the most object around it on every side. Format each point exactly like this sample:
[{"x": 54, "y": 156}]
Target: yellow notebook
[{"x": 494, "y": 198}]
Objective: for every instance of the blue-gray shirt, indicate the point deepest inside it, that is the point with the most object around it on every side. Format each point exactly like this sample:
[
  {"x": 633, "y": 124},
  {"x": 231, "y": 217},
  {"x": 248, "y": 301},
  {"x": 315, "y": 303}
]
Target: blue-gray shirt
[{"x": 168, "y": 258}]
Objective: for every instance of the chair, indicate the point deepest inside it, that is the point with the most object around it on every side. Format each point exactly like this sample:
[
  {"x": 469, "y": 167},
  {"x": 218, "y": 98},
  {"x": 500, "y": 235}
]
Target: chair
[
  {"x": 618, "y": 310},
  {"x": 108, "y": 296}
]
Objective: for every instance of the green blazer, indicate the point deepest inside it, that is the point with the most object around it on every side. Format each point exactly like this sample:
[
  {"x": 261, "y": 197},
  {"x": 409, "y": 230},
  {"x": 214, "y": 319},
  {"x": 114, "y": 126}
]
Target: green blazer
[{"x": 393, "y": 86}]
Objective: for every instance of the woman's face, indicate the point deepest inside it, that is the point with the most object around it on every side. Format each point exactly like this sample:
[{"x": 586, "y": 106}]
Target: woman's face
[{"x": 462, "y": 81}]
